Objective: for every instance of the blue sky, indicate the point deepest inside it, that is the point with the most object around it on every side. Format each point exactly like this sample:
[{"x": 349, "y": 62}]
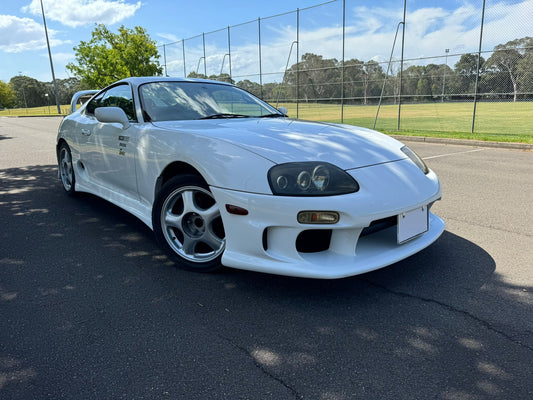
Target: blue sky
[{"x": 432, "y": 26}]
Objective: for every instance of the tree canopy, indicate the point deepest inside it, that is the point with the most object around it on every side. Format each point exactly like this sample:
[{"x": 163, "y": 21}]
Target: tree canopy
[
  {"x": 109, "y": 56},
  {"x": 7, "y": 95},
  {"x": 513, "y": 59},
  {"x": 29, "y": 92},
  {"x": 507, "y": 74}
]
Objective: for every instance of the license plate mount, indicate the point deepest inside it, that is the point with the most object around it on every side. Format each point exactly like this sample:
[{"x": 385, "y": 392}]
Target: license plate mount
[{"x": 412, "y": 224}]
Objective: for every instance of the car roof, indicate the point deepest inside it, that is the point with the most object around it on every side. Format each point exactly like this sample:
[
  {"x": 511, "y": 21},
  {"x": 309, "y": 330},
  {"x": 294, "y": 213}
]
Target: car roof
[{"x": 139, "y": 80}]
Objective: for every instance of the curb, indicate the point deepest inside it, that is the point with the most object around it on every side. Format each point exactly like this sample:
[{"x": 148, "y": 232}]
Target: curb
[{"x": 466, "y": 142}]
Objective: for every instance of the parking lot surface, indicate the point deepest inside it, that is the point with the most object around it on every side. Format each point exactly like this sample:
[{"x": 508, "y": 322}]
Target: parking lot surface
[{"x": 90, "y": 308}]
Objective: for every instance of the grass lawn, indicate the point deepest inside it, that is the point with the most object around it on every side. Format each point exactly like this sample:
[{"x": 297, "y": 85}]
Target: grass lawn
[
  {"x": 496, "y": 121},
  {"x": 503, "y": 122},
  {"x": 35, "y": 111}
]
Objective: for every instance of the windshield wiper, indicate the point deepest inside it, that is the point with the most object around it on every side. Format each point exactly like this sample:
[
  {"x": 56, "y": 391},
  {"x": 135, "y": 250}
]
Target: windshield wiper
[
  {"x": 276, "y": 115},
  {"x": 224, "y": 115}
]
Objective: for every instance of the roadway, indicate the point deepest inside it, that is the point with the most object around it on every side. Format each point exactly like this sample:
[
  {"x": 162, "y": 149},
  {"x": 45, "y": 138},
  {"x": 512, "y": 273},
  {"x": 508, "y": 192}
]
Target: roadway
[{"x": 90, "y": 308}]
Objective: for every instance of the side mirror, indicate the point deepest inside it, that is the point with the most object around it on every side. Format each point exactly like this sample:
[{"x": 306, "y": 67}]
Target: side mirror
[
  {"x": 283, "y": 110},
  {"x": 112, "y": 115}
]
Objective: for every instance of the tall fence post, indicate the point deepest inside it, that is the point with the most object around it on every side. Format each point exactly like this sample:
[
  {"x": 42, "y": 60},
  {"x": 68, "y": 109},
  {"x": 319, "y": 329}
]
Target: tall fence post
[
  {"x": 297, "y": 62},
  {"x": 478, "y": 65},
  {"x": 205, "y": 62},
  {"x": 260, "y": 69},
  {"x": 229, "y": 52},
  {"x": 342, "y": 64},
  {"x": 401, "y": 66}
]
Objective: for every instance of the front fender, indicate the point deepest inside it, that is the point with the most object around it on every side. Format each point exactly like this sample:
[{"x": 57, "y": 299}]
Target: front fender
[{"x": 221, "y": 164}]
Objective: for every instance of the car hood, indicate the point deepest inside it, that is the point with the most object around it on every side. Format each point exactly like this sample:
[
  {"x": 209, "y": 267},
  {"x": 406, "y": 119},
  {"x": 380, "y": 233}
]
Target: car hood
[{"x": 284, "y": 140}]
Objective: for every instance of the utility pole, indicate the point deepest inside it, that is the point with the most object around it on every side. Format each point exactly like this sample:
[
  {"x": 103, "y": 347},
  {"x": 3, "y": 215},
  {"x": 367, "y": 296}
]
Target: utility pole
[{"x": 51, "y": 63}]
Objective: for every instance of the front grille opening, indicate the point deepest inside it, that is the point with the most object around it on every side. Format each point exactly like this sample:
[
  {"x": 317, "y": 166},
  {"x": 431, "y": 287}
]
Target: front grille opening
[
  {"x": 379, "y": 225},
  {"x": 313, "y": 241}
]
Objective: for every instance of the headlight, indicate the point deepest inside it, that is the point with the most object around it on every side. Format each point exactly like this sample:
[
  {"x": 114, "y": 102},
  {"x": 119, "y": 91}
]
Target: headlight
[
  {"x": 416, "y": 159},
  {"x": 310, "y": 179}
]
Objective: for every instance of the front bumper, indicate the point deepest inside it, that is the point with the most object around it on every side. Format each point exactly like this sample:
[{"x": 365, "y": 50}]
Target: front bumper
[{"x": 266, "y": 240}]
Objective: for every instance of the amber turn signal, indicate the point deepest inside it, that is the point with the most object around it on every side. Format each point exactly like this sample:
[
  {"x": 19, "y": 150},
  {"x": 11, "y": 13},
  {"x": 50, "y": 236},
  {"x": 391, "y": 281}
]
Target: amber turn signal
[
  {"x": 236, "y": 210},
  {"x": 318, "y": 217}
]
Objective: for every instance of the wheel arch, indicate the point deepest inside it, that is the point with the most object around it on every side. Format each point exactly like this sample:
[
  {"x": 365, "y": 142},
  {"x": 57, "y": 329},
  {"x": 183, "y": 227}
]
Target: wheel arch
[
  {"x": 174, "y": 169},
  {"x": 58, "y": 145}
]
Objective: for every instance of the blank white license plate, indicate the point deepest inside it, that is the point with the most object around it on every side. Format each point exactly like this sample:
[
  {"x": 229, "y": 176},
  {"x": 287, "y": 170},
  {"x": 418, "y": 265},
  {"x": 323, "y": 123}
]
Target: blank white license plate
[{"x": 412, "y": 224}]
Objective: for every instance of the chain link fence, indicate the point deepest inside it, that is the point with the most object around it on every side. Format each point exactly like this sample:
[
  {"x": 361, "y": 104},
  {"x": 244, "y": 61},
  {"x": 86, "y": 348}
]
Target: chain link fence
[{"x": 459, "y": 67}]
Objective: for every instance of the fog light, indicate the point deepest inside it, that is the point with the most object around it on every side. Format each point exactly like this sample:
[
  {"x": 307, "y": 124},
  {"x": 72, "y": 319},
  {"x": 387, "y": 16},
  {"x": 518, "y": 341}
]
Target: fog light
[{"x": 318, "y": 217}]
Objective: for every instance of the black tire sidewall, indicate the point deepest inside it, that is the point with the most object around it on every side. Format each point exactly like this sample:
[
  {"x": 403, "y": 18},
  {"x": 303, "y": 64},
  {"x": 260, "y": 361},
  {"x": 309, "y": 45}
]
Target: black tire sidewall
[
  {"x": 167, "y": 189},
  {"x": 72, "y": 191}
]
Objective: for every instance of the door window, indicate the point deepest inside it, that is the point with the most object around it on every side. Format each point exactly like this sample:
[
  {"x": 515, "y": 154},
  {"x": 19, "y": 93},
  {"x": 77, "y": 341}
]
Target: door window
[{"x": 117, "y": 96}]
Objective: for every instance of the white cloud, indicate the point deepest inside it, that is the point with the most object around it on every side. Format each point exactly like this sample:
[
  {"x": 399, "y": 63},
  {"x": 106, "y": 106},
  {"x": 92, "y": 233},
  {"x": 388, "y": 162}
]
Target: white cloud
[
  {"x": 23, "y": 34},
  {"x": 63, "y": 58},
  {"x": 76, "y": 13},
  {"x": 169, "y": 37},
  {"x": 369, "y": 36}
]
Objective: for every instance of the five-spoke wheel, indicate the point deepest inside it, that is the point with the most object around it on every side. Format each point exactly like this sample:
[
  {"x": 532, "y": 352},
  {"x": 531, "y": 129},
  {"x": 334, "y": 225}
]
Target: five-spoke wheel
[
  {"x": 187, "y": 222},
  {"x": 66, "y": 169}
]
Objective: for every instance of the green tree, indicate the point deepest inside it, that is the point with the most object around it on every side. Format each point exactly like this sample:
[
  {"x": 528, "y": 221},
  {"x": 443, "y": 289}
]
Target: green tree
[
  {"x": 29, "y": 92},
  {"x": 413, "y": 84},
  {"x": 319, "y": 78},
  {"x": 525, "y": 66},
  {"x": 7, "y": 95},
  {"x": 196, "y": 75},
  {"x": 507, "y": 59},
  {"x": 525, "y": 72},
  {"x": 222, "y": 78},
  {"x": 465, "y": 69},
  {"x": 65, "y": 89},
  {"x": 109, "y": 56},
  {"x": 353, "y": 79},
  {"x": 249, "y": 86},
  {"x": 372, "y": 75},
  {"x": 270, "y": 92}
]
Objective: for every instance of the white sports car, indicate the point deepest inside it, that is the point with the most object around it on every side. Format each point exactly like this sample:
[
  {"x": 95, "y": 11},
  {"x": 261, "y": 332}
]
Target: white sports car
[{"x": 224, "y": 178}]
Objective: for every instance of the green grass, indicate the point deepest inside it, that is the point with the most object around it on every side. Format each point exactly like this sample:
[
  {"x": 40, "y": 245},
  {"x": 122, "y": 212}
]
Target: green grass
[
  {"x": 501, "y": 122},
  {"x": 35, "y": 111}
]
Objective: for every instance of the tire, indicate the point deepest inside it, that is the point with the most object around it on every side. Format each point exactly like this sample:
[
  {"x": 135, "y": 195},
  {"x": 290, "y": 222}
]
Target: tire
[
  {"x": 188, "y": 225},
  {"x": 66, "y": 169}
]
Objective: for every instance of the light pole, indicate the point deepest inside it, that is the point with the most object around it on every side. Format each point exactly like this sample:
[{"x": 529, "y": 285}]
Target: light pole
[
  {"x": 51, "y": 63},
  {"x": 444, "y": 77}
]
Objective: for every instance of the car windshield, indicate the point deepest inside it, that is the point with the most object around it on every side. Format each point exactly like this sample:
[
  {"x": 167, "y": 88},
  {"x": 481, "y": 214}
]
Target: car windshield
[{"x": 173, "y": 100}]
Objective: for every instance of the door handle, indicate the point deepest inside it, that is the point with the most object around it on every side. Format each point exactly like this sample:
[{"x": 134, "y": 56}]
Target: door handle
[{"x": 86, "y": 132}]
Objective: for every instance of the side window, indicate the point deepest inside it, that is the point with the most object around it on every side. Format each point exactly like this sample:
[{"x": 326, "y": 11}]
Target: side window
[
  {"x": 94, "y": 103},
  {"x": 118, "y": 96}
]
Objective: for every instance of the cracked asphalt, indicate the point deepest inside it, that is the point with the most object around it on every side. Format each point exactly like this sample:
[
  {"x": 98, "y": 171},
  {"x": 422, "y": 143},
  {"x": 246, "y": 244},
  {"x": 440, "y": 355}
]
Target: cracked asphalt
[{"x": 90, "y": 308}]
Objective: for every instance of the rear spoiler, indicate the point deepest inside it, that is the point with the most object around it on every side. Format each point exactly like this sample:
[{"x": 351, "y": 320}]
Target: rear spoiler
[{"x": 78, "y": 95}]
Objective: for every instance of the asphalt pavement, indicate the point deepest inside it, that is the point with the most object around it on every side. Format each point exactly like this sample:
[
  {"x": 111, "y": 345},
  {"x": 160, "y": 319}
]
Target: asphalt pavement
[{"x": 90, "y": 308}]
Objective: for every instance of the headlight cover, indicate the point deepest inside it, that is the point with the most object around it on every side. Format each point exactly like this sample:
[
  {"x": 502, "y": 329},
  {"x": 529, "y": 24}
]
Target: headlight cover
[
  {"x": 416, "y": 159},
  {"x": 310, "y": 179}
]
